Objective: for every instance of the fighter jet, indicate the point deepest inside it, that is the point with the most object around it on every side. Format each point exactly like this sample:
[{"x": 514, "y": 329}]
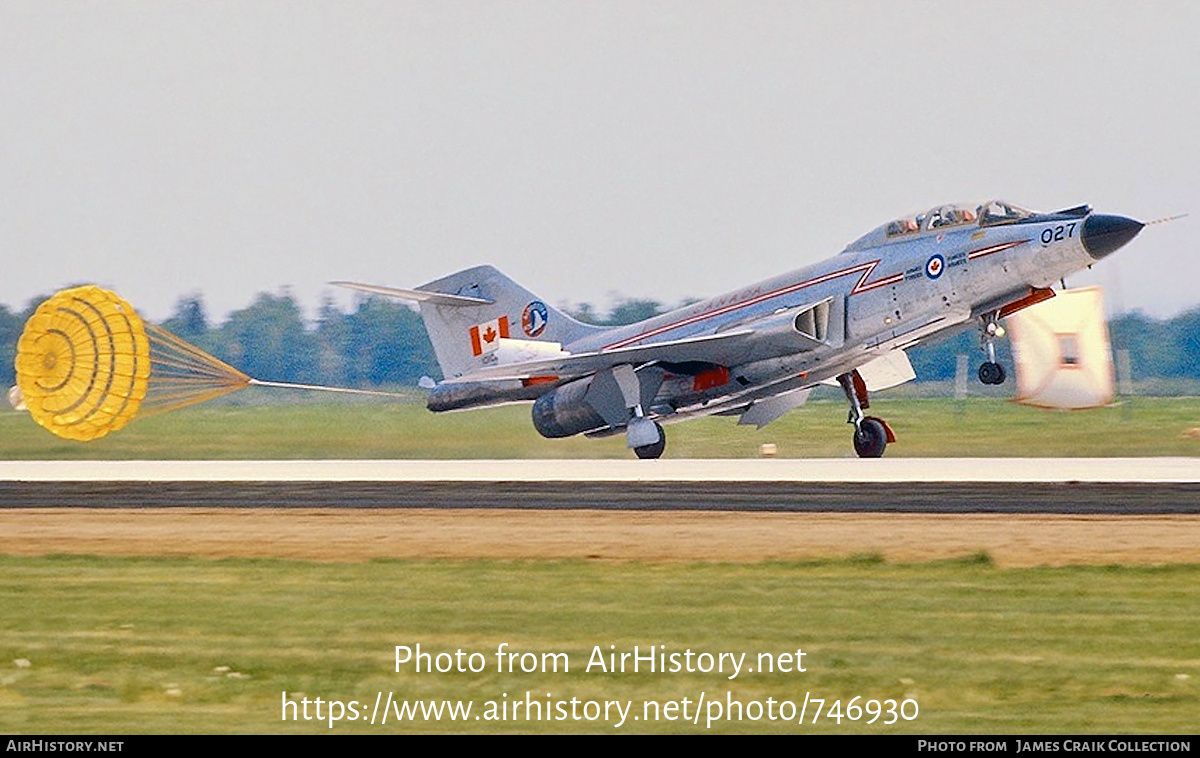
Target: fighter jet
[{"x": 756, "y": 352}]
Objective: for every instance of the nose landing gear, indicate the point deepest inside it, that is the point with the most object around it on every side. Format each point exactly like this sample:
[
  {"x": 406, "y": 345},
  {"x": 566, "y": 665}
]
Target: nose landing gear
[{"x": 991, "y": 372}]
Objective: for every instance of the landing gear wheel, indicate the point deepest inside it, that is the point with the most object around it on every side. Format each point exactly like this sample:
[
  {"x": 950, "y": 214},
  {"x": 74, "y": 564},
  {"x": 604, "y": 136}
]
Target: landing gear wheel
[
  {"x": 870, "y": 439},
  {"x": 991, "y": 373},
  {"x": 654, "y": 450}
]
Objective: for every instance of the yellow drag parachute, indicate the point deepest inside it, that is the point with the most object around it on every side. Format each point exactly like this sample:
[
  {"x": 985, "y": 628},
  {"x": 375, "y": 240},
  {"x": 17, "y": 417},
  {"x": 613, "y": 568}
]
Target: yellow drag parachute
[
  {"x": 87, "y": 365},
  {"x": 83, "y": 363}
]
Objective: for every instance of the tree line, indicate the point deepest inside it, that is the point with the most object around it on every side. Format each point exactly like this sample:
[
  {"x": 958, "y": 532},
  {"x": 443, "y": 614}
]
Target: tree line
[{"x": 380, "y": 342}]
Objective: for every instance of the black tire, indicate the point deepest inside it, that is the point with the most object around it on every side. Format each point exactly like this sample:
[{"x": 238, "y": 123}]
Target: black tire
[
  {"x": 991, "y": 373},
  {"x": 649, "y": 452},
  {"x": 870, "y": 439}
]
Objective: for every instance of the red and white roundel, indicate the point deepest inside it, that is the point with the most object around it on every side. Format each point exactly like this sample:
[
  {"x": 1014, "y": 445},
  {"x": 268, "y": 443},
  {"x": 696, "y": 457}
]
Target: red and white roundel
[{"x": 935, "y": 266}]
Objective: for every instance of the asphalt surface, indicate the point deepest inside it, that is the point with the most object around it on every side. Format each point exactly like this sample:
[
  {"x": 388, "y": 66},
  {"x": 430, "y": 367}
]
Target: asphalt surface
[{"x": 1127, "y": 498}]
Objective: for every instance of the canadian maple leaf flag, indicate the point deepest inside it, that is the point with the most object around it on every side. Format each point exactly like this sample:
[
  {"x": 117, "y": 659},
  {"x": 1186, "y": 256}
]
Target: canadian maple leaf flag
[{"x": 486, "y": 337}]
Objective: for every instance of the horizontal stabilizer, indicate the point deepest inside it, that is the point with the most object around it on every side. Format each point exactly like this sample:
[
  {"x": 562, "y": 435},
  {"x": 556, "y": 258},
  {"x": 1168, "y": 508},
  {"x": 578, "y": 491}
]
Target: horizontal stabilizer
[{"x": 416, "y": 296}]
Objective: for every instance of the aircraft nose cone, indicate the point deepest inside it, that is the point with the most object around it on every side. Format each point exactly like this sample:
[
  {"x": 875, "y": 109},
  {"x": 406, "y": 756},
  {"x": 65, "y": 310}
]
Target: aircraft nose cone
[{"x": 1103, "y": 234}]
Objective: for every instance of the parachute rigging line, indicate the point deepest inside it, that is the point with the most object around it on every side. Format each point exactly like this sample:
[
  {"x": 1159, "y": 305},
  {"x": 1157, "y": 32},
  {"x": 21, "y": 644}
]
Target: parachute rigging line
[{"x": 87, "y": 365}]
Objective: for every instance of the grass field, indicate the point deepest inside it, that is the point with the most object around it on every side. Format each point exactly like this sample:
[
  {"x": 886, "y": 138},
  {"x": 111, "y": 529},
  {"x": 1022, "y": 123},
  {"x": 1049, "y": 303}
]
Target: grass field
[
  {"x": 154, "y": 645},
  {"x": 979, "y": 427},
  {"x": 157, "y": 645}
]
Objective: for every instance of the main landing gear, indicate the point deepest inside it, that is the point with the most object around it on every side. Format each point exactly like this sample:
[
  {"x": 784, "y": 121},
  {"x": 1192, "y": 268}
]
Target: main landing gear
[
  {"x": 991, "y": 372},
  {"x": 654, "y": 449},
  {"x": 871, "y": 435}
]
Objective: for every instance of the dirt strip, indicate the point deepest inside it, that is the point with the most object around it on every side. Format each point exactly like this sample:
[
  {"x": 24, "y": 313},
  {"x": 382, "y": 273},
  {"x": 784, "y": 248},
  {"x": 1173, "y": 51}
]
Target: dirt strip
[{"x": 354, "y": 534}]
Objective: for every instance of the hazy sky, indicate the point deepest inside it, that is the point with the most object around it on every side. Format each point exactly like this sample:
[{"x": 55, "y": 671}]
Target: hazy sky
[{"x": 656, "y": 149}]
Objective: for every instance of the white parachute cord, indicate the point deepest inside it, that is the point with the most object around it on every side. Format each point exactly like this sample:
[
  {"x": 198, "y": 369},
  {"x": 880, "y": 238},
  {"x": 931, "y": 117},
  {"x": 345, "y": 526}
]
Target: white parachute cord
[{"x": 320, "y": 388}]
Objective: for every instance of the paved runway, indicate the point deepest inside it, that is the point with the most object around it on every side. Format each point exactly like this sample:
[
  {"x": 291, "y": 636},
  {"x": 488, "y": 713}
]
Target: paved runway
[
  {"x": 1012, "y": 485},
  {"x": 1046, "y": 470},
  {"x": 1020, "y": 512}
]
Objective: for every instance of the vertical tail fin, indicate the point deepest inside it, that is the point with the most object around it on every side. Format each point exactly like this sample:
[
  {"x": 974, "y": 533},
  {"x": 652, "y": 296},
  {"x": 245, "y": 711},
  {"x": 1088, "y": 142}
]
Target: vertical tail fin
[{"x": 466, "y": 312}]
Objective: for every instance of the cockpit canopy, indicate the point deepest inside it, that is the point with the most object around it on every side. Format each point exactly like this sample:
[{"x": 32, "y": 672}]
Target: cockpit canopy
[
  {"x": 940, "y": 219},
  {"x": 996, "y": 212}
]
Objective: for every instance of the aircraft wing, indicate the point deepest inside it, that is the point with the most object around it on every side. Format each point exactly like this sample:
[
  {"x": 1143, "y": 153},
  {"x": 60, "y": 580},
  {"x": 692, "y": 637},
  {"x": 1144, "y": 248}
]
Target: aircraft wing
[{"x": 714, "y": 348}]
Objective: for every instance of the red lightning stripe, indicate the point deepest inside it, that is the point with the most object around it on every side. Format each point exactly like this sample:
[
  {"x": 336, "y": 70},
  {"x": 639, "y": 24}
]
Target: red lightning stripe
[
  {"x": 860, "y": 286},
  {"x": 994, "y": 249}
]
